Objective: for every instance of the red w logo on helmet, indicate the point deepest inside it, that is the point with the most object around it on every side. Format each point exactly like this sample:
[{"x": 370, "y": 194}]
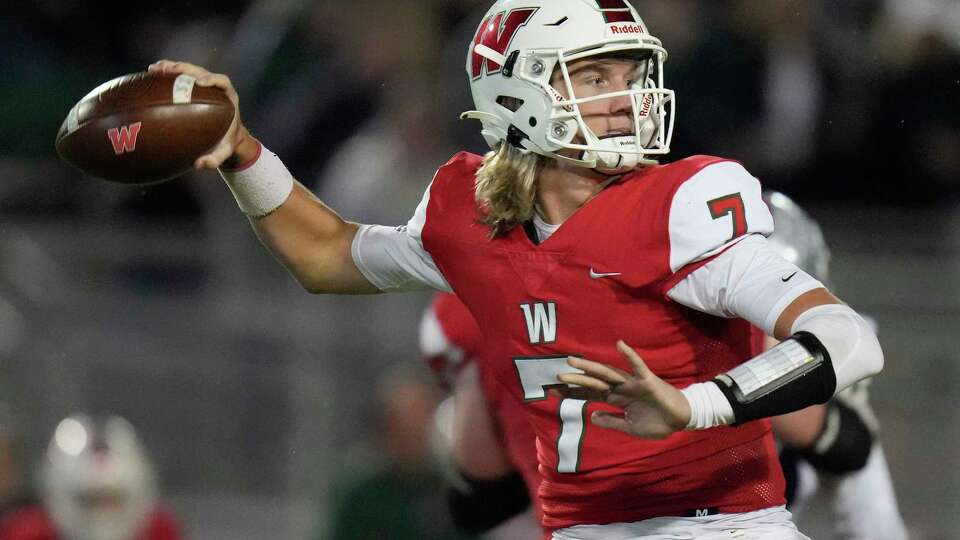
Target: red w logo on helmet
[{"x": 496, "y": 32}]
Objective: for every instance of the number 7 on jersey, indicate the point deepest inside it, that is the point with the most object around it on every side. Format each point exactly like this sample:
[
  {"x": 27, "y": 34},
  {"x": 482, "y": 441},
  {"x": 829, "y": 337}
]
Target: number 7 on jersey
[
  {"x": 730, "y": 204},
  {"x": 537, "y": 373}
]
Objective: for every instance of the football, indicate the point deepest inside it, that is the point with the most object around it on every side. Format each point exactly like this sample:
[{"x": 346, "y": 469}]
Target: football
[{"x": 144, "y": 128}]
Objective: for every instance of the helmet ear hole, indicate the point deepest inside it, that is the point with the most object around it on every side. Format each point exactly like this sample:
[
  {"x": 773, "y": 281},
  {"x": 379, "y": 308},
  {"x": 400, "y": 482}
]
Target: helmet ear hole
[{"x": 510, "y": 103}]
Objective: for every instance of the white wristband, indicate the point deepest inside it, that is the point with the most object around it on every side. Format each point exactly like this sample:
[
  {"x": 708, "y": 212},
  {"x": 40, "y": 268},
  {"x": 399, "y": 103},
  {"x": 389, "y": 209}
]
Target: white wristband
[
  {"x": 261, "y": 185},
  {"x": 708, "y": 406}
]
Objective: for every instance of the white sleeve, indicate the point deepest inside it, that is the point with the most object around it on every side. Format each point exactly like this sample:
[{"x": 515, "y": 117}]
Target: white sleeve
[
  {"x": 854, "y": 349},
  {"x": 394, "y": 259},
  {"x": 749, "y": 280},
  {"x": 433, "y": 340},
  {"x": 712, "y": 209}
]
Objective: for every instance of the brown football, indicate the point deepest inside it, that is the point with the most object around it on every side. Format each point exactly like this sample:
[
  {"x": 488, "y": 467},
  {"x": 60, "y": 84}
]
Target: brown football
[{"x": 144, "y": 127}]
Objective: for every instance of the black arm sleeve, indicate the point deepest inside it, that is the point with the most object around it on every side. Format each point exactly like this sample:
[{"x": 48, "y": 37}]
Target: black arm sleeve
[{"x": 488, "y": 503}]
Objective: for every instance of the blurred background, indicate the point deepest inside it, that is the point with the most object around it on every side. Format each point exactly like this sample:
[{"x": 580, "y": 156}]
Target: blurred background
[{"x": 262, "y": 406}]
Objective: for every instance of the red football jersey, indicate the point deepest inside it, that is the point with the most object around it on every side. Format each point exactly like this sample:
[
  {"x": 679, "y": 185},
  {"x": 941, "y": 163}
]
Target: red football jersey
[
  {"x": 603, "y": 276},
  {"x": 461, "y": 330},
  {"x": 34, "y": 523}
]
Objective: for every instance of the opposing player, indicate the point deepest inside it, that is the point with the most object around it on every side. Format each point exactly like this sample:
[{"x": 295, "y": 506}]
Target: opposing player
[
  {"x": 568, "y": 239},
  {"x": 485, "y": 442},
  {"x": 96, "y": 484},
  {"x": 831, "y": 452}
]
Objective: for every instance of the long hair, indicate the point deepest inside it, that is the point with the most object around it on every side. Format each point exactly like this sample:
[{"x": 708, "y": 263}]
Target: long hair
[{"x": 506, "y": 187}]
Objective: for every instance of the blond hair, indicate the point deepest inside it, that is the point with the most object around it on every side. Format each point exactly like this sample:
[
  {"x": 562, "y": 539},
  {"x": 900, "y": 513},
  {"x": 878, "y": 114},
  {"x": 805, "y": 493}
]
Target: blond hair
[{"x": 506, "y": 187}]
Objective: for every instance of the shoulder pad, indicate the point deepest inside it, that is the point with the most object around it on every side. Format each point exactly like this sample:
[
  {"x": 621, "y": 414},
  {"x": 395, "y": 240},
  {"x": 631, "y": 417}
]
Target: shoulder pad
[{"x": 713, "y": 208}]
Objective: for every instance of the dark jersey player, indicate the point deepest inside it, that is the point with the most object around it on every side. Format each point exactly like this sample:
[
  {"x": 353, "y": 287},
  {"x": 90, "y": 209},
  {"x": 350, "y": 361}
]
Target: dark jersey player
[{"x": 569, "y": 240}]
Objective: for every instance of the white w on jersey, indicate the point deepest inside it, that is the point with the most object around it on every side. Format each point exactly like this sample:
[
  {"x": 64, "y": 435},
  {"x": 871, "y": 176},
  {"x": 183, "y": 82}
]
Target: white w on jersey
[{"x": 541, "y": 319}]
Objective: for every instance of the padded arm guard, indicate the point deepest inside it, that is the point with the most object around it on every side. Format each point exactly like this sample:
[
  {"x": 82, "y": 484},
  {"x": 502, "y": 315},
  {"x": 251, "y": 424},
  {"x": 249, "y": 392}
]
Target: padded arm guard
[
  {"x": 832, "y": 347},
  {"x": 792, "y": 375}
]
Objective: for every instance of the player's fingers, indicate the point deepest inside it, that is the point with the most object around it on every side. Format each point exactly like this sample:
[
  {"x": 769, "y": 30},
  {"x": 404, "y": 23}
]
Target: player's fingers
[
  {"x": 170, "y": 66},
  {"x": 607, "y": 373},
  {"x": 610, "y": 421},
  {"x": 215, "y": 158},
  {"x": 572, "y": 392},
  {"x": 221, "y": 81},
  {"x": 585, "y": 381},
  {"x": 215, "y": 79},
  {"x": 206, "y": 162},
  {"x": 223, "y": 153},
  {"x": 639, "y": 366},
  {"x": 620, "y": 400},
  {"x": 161, "y": 64}
]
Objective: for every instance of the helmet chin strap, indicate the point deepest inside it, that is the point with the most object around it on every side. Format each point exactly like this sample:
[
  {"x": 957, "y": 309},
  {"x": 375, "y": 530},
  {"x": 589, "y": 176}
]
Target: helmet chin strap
[{"x": 621, "y": 153}]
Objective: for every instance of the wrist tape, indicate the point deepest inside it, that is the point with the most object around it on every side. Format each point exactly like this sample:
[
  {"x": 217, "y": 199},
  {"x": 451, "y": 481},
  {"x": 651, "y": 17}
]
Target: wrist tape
[{"x": 261, "y": 185}]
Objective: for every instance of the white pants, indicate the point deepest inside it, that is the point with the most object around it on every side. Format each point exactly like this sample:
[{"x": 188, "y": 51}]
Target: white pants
[
  {"x": 767, "y": 524},
  {"x": 861, "y": 505}
]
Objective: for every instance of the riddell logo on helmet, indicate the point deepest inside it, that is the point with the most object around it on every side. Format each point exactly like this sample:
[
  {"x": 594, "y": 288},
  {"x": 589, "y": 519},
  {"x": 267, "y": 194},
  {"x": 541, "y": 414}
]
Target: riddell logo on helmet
[
  {"x": 645, "y": 106},
  {"x": 626, "y": 28}
]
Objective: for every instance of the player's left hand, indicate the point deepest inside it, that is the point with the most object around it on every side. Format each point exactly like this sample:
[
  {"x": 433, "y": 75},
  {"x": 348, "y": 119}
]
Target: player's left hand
[{"x": 652, "y": 408}]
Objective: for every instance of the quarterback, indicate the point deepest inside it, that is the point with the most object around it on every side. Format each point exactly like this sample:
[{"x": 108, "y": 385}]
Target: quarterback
[
  {"x": 628, "y": 286},
  {"x": 827, "y": 451}
]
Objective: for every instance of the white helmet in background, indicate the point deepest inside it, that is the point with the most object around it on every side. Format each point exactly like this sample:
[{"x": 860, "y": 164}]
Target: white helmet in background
[
  {"x": 797, "y": 236},
  {"x": 97, "y": 483},
  {"x": 519, "y": 46}
]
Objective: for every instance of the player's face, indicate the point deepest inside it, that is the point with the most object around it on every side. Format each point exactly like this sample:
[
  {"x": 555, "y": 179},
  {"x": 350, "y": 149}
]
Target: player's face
[{"x": 592, "y": 77}]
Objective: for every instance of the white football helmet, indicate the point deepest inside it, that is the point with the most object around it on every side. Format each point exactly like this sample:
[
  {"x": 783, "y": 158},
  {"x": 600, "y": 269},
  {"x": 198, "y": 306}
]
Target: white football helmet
[
  {"x": 519, "y": 46},
  {"x": 96, "y": 481}
]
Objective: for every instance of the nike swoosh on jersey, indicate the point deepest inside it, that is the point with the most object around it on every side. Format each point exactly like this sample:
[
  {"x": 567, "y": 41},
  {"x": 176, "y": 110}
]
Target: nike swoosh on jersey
[
  {"x": 788, "y": 278},
  {"x": 595, "y": 275}
]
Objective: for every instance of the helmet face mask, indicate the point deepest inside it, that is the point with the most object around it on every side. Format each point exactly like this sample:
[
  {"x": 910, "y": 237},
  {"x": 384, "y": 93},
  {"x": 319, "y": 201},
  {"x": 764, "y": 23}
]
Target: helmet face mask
[{"x": 525, "y": 95}]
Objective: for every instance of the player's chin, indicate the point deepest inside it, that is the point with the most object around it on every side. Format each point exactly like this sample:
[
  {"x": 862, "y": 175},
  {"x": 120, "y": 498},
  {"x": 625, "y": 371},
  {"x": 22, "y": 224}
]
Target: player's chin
[
  {"x": 613, "y": 171},
  {"x": 611, "y": 164}
]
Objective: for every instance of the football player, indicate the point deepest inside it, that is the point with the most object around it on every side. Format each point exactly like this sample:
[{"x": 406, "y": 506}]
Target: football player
[
  {"x": 828, "y": 450},
  {"x": 484, "y": 441},
  {"x": 96, "y": 483},
  {"x": 586, "y": 263},
  {"x": 831, "y": 452}
]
